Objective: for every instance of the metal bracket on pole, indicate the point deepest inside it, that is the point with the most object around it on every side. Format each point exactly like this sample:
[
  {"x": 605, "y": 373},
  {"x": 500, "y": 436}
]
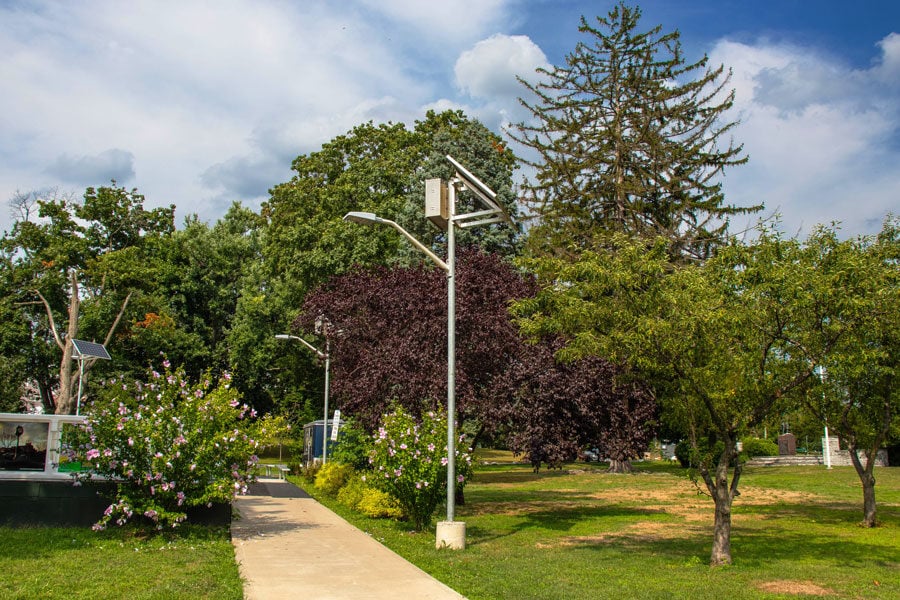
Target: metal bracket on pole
[{"x": 83, "y": 350}]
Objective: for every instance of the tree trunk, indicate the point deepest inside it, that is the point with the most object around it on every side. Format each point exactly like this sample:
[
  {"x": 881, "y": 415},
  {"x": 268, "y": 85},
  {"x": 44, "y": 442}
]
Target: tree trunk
[
  {"x": 619, "y": 466},
  {"x": 867, "y": 478},
  {"x": 47, "y": 399},
  {"x": 721, "y": 550},
  {"x": 65, "y": 400},
  {"x": 723, "y": 494}
]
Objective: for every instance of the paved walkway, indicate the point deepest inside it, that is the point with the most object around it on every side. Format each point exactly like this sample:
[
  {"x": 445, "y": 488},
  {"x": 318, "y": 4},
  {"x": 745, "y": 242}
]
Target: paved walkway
[{"x": 289, "y": 546}]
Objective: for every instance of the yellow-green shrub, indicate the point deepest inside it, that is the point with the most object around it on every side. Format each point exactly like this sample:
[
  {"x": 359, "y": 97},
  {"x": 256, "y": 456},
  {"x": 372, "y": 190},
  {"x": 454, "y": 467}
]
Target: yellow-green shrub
[
  {"x": 332, "y": 477},
  {"x": 352, "y": 492},
  {"x": 378, "y": 505}
]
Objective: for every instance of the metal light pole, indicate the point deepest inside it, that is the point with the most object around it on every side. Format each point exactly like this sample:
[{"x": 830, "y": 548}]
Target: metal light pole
[
  {"x": 327, "y": 356},
  {"x": 366, "y": 218},
  {"x": 826, "y": 448},
  {"x": 441, "y": 209}
]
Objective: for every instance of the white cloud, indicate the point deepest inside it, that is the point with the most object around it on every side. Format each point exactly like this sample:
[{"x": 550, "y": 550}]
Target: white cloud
[
  {"x": 822, "y": 136},
  {"x": 199, "y": 104},
  {"x": 448, "y": 21},
  {"x": 208, "y": 101},
  {"x": 489, "y": 70}
]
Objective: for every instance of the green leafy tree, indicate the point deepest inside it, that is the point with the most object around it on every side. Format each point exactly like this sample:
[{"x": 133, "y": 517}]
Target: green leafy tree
[
  {"x": 189, "y": 312},
  {"x": 848, "y": 325},
  {"x": 710, "y": 339},
  {"x": 71, "y": 268},
  {"x": 629, "y": 138}
]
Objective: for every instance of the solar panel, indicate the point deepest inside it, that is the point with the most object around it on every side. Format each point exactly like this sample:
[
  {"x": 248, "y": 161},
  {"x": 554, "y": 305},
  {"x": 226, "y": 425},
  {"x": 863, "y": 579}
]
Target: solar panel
[{"x": 90, "y": 349}]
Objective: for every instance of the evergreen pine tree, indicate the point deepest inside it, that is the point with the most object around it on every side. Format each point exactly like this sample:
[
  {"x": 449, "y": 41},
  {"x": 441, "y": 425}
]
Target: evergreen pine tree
[{"x": 627, "y": 137}]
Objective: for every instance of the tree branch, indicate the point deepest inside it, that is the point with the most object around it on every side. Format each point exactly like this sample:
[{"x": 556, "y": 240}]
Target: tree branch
[{"x": 46, "y": 304}]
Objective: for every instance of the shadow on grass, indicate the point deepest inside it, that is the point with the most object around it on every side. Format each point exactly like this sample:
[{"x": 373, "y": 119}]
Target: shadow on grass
[
  {"x": 818, "y": 534},
  {"x": 516, "y": 476},
  {"x": 763, "y": 546},
  {"x": 561, "y": 519}
]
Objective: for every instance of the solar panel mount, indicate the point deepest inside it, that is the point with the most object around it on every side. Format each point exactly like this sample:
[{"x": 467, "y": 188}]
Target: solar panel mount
[{"x": 86, "y": 349}]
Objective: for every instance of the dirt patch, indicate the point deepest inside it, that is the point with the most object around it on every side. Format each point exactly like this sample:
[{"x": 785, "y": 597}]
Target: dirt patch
[
  {"x": 786, "y": 586},
  {"x": 757, "y": 496}
]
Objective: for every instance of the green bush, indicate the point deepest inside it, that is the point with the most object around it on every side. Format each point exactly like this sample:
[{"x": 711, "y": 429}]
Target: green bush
[
  {"x": 332, "y": 477},
  {"x": 352, "y": 492},
  {"x": 353, "y": 446},
  {"x": 705, "y": 453},
  {"x": 309, "y": 472},
  {"x": 378, "y": 505},
  {"x": 758, "y": 447}
]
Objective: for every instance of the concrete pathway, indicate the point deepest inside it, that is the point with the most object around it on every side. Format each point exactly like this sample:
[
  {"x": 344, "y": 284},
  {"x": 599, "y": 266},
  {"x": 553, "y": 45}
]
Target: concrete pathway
[{"x": 289, "y": 546}]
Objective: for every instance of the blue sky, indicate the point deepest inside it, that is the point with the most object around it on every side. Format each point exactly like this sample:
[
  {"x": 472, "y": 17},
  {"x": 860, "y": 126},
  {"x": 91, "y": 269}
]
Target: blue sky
[{"x": 199, "y": 104}]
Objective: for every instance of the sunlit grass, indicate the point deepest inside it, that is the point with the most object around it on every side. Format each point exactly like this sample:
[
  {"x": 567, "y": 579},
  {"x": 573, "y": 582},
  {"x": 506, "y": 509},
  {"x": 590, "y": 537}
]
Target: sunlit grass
[
  {"x": 583, "y": 533},
  {"x": 56, "y": 562}
]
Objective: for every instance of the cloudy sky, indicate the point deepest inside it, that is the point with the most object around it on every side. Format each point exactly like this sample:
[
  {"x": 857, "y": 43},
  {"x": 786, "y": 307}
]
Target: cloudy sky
[{"x": 199, "y": 104}]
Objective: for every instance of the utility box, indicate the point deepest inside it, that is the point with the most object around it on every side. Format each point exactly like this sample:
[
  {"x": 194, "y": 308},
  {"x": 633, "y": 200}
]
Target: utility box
[
  {"x": 313, "y": 439},
  {"x": 437, "y": 205}
]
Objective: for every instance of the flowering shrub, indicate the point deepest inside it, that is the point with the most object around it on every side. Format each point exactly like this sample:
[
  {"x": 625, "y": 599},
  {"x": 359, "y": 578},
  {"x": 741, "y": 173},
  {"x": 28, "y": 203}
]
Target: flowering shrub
[
  {"x": 409, "y": 462},
  {"x": 167, "y": 445}
]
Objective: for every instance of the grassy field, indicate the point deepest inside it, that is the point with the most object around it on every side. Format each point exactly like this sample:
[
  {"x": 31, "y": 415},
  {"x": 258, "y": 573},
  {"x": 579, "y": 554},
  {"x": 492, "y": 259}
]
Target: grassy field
[
  {"x": 582, "y": 533},
  {"x": 575, "y": 533},
  {"x": 51, "y": 562}
]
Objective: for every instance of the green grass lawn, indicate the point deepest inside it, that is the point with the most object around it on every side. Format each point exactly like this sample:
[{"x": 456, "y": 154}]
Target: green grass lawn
[
  {"x": 583, "y": 533},
  {"x": 55, "y": 562},
  {"x": 575, "y": 533}
]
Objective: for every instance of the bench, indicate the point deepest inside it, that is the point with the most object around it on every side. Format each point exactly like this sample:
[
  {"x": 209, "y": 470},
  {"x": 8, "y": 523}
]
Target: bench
[{"x": 281, "y": 471}]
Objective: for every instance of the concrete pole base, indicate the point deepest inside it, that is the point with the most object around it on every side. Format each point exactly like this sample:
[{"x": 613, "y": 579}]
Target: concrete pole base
[{"x": 451, "y": 535}]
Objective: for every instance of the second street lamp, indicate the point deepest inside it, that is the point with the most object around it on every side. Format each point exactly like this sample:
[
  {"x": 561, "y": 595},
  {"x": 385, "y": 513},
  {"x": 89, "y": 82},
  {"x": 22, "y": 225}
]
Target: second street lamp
[{"x": 327, "y": 358}]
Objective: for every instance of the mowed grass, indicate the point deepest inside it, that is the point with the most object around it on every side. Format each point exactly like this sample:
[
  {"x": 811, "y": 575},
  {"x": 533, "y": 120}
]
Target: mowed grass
[
  {"x": 583, "y": 533},
  {"x": 57, "y": 562}
]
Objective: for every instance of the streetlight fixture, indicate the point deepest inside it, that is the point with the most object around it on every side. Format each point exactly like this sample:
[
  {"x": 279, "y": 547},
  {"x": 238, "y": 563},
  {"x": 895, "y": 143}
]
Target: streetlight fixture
[
  {"x": 327, "y": 358},
  {"x": 440, "y": 208}
]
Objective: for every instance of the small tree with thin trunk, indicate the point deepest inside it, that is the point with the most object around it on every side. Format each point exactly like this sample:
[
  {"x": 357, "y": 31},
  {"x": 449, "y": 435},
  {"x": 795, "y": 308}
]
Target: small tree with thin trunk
[
  {"x": 710, "y": 338},
  {"x": 850, "y": 291}
]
